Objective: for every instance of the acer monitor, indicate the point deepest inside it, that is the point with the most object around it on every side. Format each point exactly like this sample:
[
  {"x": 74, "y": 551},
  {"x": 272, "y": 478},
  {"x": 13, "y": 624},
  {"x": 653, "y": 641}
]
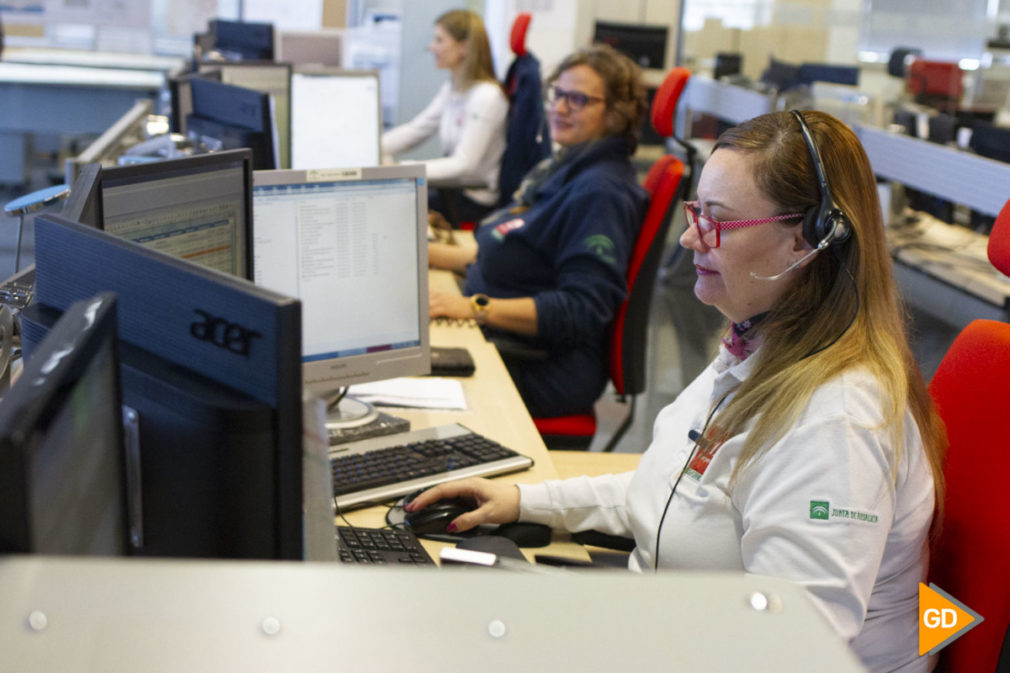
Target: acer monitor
[
  {"x": 336, "y": 118},
  {"x": 227, "y": 117},
  {"x": 62, "y": 459},
  {"x": 211, "y": 368},
  {"x": 198, "y": 208},
  {"x": 352, "y": 245}
]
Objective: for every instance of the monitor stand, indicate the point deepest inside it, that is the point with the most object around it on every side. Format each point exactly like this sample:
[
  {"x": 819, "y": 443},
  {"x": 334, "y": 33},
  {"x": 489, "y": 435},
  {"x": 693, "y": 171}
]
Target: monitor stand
[
  {"x": 351, "y": 419},
  {"x": 349, "y": 412}
]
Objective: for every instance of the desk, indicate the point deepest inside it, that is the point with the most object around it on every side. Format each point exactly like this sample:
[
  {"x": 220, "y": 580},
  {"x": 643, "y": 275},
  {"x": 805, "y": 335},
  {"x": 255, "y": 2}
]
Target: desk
[
  {"x": 944, "y": 271},
  {"x": 494, "y": 410}
]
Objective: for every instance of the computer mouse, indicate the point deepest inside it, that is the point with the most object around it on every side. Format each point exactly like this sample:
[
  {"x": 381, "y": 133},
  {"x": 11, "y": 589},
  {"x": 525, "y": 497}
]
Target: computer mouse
[{"x": 435, "y": 517}]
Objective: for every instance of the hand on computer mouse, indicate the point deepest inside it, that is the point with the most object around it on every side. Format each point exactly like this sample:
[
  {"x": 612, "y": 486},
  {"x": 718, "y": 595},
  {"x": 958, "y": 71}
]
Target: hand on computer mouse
[{"x": 496, "y": 502}]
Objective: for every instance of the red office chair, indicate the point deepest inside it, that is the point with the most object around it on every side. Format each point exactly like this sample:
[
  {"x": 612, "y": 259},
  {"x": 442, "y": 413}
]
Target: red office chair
[
  {"x": 936, "y": 83},
  {"x": 664, "y": 182},
  {"x": 971, "y": 557}
]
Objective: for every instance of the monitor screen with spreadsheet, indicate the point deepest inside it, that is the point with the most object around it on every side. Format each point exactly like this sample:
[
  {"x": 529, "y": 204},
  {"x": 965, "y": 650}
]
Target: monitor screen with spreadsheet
[
  {"x": 352, "y": 245},
  {"x": 198, "y": 208},
  {"x": 336, "y": 118}
]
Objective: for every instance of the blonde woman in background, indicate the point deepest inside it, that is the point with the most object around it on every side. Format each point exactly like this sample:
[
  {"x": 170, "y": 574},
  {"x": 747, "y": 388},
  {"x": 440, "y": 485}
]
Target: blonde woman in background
[{"x": 468, "y": 114}]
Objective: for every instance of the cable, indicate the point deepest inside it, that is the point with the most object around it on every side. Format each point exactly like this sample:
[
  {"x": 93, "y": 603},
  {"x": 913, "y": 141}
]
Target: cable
[{"x": 697, "y": 438}]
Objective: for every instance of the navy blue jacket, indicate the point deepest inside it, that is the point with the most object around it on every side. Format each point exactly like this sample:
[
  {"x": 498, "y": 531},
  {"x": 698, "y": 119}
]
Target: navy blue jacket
[{"x": 569, "y": 251}]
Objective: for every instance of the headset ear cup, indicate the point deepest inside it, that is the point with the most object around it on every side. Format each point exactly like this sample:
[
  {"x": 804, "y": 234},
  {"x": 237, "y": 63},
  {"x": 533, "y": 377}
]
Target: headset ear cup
[
  {"x": 811, "y": 230},
  {"x": 837, "y": 225}
]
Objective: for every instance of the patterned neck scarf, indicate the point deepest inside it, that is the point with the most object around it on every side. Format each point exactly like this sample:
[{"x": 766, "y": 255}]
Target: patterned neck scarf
[{"x": 740, "y": 343}]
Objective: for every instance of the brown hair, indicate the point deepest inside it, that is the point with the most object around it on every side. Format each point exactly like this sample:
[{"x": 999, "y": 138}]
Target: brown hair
[
  {"x": 466, "y": 26},
  {"x": 625, "y": 91},
  {"x": 844, "y": 312}
]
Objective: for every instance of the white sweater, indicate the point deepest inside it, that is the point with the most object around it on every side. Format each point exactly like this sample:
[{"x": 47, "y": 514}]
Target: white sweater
[
  {"x": 818, "y": 508},
  {"x": 471, "y": 126}
]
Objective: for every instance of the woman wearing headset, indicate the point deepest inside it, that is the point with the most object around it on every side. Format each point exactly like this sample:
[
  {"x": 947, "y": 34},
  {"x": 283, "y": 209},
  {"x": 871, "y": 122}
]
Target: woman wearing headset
[
  {"x": 468, "y": 113},
  {"x": 809, "y": 448},
  {"x": 549, "y": 268}
]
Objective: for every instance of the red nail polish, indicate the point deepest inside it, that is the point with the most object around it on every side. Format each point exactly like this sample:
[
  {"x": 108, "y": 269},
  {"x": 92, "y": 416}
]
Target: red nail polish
[{"x": 451, "y": 528}]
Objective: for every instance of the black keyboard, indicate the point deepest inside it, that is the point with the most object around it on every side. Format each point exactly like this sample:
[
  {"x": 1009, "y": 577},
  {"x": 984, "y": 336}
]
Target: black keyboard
[
  {"x": 380, "y": 546},
  {"x": 383, "y": 468}
]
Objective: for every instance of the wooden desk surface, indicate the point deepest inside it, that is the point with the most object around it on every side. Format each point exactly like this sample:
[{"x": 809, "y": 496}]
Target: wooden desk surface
[{"x": 578, "y": 463}]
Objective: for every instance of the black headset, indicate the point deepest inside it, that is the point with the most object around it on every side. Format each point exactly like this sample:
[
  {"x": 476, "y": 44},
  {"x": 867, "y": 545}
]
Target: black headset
[{"x": 827, "y": 224}]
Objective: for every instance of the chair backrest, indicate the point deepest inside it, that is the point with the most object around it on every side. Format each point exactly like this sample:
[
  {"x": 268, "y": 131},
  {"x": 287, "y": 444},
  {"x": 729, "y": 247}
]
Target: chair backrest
[
  {"x": 527, "y": 138},
  {"x": 517, "y": 38},
  {"x": 971, "y": 557},
  {"x": 663, "y": 183}
]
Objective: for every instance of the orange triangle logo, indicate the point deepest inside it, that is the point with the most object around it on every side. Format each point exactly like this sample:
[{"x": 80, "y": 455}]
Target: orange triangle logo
[{"x": 942, "y": 619}]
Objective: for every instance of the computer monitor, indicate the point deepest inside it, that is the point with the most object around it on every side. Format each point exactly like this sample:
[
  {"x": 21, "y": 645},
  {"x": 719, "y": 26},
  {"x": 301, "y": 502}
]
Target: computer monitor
[
  {"x": 990, "y": 141},
  {"x": 198, "y": 208},
  {"x": 352, "y": 245},
  {"x": 238, "y": 40},
  {"x": 211, "y": 366},
  {"x": 228, "y": 117},
  {"x": 834, "y": 74},
  {"x": 645, "y": 45},
  {"x": 311, "y": 47},
  {"x": 336, "y": 118},
  {"x": 62, "y": 459},
  {"x": 269, "y": 78},
  {"x": 181, "y": 97},
  {"x": 781, "y": 75},
  {"x": 726, "y": 64}
]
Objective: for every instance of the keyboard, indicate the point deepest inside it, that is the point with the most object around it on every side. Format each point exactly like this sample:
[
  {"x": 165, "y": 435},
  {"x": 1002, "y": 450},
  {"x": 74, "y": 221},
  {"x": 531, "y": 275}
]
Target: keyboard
[
  {"x": 384, "y": 468},
  {"x": 379, "y": 546}
]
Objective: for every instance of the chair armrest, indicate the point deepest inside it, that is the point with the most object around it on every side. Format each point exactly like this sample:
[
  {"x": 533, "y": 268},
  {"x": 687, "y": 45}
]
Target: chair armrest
[{"x": 516, "y": 348}]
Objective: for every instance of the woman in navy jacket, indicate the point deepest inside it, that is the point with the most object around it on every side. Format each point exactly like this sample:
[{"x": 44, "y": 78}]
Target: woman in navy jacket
[{"x": 549, "y": 268}]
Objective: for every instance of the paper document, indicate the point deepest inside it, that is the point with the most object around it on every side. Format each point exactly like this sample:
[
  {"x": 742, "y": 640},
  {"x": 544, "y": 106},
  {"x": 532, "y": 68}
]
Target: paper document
[{"x": 429, "y": 392}]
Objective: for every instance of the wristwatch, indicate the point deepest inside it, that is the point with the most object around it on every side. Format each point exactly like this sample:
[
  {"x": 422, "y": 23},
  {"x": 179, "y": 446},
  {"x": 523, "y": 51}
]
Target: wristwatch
[{"x": 480, "y": 303}]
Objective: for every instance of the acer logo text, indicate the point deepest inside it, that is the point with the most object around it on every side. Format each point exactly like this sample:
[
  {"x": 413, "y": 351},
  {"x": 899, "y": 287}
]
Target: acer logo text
[{"x": 223, "y": 334}]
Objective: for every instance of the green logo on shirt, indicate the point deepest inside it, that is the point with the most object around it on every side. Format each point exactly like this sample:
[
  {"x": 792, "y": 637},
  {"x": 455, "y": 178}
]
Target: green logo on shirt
[
  {"x": 602, "y": 247},
  {"x": 820, "y": 509}
]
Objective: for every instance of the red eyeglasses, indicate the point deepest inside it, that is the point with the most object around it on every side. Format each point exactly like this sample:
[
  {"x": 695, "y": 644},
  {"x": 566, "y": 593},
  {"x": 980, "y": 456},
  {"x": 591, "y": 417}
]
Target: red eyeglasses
[{"x": 709, "y": 227}]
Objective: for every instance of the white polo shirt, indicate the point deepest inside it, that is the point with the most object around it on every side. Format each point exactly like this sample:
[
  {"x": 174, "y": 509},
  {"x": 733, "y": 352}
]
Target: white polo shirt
[{"x": 819, "y": 507}]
